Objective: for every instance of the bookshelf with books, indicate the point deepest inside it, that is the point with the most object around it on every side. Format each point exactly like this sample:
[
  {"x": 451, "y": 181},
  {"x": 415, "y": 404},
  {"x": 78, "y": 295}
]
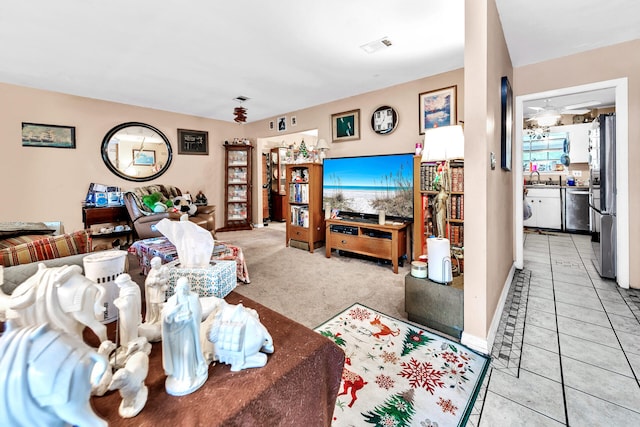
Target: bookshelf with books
[
  {"x": 305, "y": 223},
  {"x": 425, "y": 192}
]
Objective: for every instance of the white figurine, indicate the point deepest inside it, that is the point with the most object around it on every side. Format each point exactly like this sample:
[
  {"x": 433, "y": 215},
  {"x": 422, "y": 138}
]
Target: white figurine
[
  {"x": 182, "y": 357},
  {"x": 47, "y": 377},
  {"x": 129, "y": 303},
  {"x": 61, "y": 296},
  {"x": 155, "y": 288},
  {"x": 106, "y": 349},
  {"x": 238, "y": 337},
  {"x": 129, "y": 380}
]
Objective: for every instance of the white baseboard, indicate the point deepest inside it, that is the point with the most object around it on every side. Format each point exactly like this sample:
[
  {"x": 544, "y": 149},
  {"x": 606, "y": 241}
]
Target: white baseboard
[{"x": 484, "y": 345}]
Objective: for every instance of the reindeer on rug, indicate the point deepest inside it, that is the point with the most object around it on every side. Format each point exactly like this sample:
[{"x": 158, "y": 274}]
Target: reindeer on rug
[
  {"x": 351, "y": 380},
  {"x": 60, "y": 296},
  {"x": 384, "y": 329}
]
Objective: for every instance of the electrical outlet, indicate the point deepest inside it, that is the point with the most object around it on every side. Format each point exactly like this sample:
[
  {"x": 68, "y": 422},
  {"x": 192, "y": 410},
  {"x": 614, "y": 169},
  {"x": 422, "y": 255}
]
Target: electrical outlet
[
  {"x": 577, "y": 173},
  {"x": 492, "y": 159}
]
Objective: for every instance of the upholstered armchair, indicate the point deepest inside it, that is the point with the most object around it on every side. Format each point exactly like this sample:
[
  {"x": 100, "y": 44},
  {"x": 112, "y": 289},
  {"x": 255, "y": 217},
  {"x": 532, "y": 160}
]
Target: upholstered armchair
[{"x": 144, "y": 219}]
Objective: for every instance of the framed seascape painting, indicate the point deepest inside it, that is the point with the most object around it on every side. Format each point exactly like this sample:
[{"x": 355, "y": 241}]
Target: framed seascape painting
[
  {"x": 38, "y": 135},
  {"x": 144, "y": 157},
  {"x": 506, "y": 101},
  {"x": 345, "y": 126},
  {"x": 193, "y": 142},
  {"x": 437, "y": 108}
]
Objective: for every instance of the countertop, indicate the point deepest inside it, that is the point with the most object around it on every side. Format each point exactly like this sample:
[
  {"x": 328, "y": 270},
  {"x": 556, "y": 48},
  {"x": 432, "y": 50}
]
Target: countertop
[{"x": 556, "y": 186}]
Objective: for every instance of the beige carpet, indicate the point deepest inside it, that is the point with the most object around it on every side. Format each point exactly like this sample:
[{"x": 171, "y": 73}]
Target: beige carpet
[
  {"x": 311, "y": 288},
  {"x": 308, "y": 288}
]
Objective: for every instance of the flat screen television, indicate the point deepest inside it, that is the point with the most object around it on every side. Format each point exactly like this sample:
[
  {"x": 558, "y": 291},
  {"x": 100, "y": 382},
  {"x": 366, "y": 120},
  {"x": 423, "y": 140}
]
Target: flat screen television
[{"x": 359, "y": 187}]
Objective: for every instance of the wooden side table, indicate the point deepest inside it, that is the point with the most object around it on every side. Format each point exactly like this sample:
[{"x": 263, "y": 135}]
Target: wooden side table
[{"x": 107, "y": 215}]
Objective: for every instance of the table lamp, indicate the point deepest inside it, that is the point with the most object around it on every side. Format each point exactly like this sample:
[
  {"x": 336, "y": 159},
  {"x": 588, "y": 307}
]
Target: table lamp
[{"x": 323, "y": 147}]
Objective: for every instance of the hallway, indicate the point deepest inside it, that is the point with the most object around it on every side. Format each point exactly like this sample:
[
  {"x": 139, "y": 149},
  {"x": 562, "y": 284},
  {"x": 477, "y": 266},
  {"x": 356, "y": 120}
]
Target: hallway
[{"x": 567, "y": 350}]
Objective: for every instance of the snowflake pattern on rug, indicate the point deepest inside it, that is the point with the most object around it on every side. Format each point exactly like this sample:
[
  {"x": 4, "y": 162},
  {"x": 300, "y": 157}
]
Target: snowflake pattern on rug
[{"x": 397, "y": 374}]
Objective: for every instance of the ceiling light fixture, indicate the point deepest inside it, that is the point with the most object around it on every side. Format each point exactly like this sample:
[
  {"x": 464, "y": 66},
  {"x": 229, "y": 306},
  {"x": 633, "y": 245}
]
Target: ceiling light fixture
[
  {"x": 376, "y": 45},
  {"x": 240, "y": 112}
]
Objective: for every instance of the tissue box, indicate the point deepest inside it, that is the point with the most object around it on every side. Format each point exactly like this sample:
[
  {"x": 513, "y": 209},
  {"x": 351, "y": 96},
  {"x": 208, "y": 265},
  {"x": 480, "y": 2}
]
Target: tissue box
[{"x": 216, "y": 280}]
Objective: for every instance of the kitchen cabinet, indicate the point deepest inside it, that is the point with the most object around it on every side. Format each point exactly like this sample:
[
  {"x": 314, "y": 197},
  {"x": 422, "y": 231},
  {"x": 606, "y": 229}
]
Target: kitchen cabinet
[
  {"x": 546, "y": 208},
  {"x": 579, "y": 141}
]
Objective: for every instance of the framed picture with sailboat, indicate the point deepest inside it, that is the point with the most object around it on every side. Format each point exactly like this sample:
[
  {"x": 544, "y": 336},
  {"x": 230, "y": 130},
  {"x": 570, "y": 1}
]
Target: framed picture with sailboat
[{"x": 39, "y": 135}]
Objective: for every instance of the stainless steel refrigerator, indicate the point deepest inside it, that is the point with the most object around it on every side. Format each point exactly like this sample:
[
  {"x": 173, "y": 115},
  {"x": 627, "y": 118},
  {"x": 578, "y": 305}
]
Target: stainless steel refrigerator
[{"x": 602, "y": 193}]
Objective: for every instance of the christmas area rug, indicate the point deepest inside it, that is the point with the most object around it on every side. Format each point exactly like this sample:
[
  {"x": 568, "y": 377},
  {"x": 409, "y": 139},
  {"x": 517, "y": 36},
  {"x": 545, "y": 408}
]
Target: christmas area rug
[{"x": 397, "y": 374}]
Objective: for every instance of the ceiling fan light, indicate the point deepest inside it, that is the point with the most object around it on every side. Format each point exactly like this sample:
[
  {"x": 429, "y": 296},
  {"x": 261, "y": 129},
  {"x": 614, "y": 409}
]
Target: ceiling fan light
[{"x": 547, "y": 119}]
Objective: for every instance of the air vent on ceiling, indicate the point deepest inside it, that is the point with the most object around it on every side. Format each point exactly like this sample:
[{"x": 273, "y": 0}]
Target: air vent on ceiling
[{"x": 376, "y": 45}]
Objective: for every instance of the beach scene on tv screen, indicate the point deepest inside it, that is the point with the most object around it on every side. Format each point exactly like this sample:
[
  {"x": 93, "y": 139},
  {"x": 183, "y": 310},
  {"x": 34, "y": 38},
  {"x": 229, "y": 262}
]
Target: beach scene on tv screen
[{"x": 366, "y": 185}]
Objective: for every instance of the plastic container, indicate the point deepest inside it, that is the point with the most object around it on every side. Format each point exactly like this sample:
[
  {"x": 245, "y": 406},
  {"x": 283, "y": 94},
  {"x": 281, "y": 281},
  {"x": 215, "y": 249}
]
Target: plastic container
[{"x": 103, "y": 268}]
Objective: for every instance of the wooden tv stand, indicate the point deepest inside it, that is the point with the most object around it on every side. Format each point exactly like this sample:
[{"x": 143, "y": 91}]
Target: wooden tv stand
[{"x": 388, "y": 241}]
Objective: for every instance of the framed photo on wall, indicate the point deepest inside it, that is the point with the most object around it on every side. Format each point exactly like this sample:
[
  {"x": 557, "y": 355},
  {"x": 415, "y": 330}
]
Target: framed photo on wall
[
  {"x": 144, "y": 157},
  {"x": 345, "y": 126},
  {"x": 282, "y": 124},
  {"x": 193, "y": 142},
  {"x": 437, "y": 108},
  {"x": 506, "y": 104},
  {"x": 38, "y": 135}
]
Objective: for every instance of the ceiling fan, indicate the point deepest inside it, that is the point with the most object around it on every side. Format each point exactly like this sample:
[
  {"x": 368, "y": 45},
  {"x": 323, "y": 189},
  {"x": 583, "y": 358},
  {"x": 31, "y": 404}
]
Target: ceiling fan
[{"x": 548, "y": 114}]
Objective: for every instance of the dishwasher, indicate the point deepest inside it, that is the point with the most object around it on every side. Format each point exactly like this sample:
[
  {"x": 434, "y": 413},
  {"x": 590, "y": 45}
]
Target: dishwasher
[{"x": 576, "y": 210}]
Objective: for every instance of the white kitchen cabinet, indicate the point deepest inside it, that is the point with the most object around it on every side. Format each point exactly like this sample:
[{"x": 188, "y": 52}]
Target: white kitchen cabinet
[
  {"x": 546, "y": 208},
  {"x": 579, "y": 141}
]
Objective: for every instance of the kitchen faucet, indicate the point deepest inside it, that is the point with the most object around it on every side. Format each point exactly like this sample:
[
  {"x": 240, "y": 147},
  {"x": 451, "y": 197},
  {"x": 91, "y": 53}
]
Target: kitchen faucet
[{"x": 531, "y": 175}]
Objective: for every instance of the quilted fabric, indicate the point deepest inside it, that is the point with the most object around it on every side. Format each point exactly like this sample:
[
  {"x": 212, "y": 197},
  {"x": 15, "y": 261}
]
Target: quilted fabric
[{"x": 49, "y": 247}]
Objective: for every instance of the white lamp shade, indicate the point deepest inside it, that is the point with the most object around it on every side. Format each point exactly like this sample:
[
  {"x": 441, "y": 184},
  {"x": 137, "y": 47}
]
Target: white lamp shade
[
  {"x": 443, "y": 143},
  {"x": 322, "y": 145}
]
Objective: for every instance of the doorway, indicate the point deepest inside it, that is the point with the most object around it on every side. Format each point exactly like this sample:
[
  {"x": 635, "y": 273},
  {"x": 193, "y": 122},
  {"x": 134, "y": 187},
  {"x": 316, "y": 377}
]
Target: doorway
[
  {"x": 620, "y": 86},
  {"x": 264, "y": 146}
]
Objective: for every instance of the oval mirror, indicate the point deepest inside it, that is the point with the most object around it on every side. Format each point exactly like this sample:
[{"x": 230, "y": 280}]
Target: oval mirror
[{"x": 136, "y": 151}]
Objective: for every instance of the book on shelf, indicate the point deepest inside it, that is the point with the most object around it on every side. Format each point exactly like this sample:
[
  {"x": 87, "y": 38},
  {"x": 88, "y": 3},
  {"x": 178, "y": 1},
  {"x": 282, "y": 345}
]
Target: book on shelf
[
  {"x": 300, "y": 216},
  {"x": 299, "y": 193}
]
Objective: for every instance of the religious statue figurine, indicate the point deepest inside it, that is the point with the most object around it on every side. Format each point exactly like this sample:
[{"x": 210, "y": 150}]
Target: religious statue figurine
[
  {"x": 155, "y": 287},
  {"x": 182, "y": 357},
  {"x": 440, "y": 205},
  {"x": 129, "y": 304}
]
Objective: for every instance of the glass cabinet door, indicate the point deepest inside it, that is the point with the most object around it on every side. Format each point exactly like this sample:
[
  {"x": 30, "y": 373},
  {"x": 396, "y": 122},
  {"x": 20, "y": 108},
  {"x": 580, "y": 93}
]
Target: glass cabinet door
[
  {"x": 238, "y": 187},
  {"x": 278, "y": 170}
]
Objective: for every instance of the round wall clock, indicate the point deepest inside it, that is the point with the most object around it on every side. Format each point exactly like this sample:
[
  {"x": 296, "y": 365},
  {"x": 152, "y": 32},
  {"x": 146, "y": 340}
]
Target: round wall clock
[{"x": 384, "y": 120}]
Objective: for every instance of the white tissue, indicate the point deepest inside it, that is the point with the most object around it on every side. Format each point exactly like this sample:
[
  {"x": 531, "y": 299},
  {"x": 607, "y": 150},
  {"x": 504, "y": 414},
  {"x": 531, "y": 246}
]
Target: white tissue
[{"x": 193, "y": 243}]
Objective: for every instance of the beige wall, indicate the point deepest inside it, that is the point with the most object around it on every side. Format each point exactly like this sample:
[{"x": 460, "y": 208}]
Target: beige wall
[
  {"x": 404, "y": 98},
  {"x": 618, "y": 61},
  {"x": 489, "y": 240},
  {"x": 49, "y": 184}
]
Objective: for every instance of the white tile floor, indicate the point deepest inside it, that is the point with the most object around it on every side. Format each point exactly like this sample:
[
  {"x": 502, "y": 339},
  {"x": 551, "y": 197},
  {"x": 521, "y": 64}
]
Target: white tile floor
[{"x": 567, "y": 351}]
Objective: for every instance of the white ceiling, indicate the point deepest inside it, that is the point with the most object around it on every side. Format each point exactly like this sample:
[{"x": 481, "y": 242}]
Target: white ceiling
[{"x": 195, "y": 57}]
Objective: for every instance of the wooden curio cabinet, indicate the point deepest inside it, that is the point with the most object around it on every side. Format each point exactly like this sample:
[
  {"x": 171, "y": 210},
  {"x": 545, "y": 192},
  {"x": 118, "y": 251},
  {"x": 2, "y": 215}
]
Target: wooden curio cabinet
[{"x": 238, "y": 186}]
